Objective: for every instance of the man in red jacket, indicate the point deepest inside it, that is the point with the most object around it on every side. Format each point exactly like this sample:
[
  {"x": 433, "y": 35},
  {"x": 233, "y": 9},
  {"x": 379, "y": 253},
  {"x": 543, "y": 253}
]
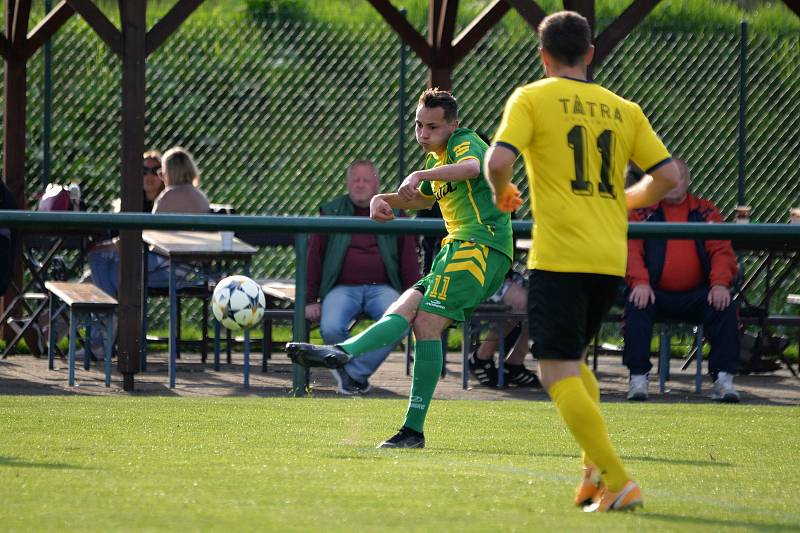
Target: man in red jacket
[{"x": 681, "y": 279}]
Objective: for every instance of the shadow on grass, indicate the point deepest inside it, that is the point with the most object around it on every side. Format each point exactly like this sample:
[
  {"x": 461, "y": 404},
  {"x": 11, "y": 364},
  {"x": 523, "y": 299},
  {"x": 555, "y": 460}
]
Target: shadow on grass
[
  {"x": 22, "y": 387},
  {"x": 720, "y": 523},
  {"x": 644, "y": 458},
  {"x": 18, "y": 463}
]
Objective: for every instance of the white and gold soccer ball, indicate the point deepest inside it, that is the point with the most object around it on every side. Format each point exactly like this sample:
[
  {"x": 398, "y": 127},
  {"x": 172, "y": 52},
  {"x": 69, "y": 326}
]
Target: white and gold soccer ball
[{"x": 238, "y": 302}]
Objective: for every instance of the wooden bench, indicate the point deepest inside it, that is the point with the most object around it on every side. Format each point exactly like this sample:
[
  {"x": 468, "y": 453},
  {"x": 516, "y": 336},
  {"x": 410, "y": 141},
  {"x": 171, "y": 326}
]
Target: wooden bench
[
  {"x": 487, "y": 312},
  {"x": 83, "y": 300},
  {"x": 280, "y": 306}
]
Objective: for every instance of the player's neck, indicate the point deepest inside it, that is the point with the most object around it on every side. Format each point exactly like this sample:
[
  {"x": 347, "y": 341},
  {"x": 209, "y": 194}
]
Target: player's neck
[{"x": 575, "y": 73}]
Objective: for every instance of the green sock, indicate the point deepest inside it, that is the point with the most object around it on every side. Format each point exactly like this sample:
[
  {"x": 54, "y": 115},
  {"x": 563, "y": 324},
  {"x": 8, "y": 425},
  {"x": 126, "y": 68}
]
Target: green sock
[
  {"x": 385, "y": 332},
  {"x": 427, "y": 368}
]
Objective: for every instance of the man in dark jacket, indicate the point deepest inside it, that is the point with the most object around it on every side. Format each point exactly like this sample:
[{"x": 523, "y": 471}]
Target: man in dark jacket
[
  {"x": 351, "y": 275},
  {"x": 681, "y": 279}
]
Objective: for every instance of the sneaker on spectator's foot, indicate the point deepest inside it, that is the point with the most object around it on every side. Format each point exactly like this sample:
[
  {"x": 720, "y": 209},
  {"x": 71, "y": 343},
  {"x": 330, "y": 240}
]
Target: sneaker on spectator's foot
[
  {"x": 637, "y": 387},
  {"x": 483, "y": 370},
  {"x": 628, "y": 499},
  {"x": 723, "y": 390},
  {"x": 309, "y": 355},
  {"x": 347, "y": 385},
  {"x": 520, "y": 376},
  {"x": 590, "y": 487},
  {"x": 405, "y": 438}
]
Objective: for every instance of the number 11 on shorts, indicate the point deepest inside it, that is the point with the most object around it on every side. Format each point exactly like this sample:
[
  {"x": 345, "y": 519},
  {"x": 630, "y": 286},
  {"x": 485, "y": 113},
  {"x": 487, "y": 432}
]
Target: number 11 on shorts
[{"x": 442, "y": 294}]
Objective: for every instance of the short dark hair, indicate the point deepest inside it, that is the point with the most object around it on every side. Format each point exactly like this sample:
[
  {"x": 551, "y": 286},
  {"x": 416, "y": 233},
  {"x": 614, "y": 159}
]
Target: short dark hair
[
  {"x": 435, "y": 97},
  {"x": 566, "y": 35}
]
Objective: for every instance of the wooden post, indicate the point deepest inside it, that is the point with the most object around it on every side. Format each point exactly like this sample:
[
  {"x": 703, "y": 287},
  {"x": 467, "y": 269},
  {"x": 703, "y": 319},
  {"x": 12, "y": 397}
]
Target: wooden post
[
  {"x": 440, "y": 73},
  {"x": 134, "y": 31},
  {"x": 15, "y": 98}
]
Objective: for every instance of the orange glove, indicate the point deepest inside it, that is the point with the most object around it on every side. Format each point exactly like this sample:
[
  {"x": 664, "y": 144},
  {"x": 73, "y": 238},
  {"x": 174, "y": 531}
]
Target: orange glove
[{"x": 509, "y": 200}]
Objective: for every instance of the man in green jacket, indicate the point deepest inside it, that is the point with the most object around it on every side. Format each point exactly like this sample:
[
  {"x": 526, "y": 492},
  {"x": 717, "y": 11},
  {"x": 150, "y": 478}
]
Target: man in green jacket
[{"x": 354, "y": 275}]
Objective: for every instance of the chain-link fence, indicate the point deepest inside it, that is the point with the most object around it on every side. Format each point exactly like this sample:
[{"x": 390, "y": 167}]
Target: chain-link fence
[{"x": 274, "y": 112}]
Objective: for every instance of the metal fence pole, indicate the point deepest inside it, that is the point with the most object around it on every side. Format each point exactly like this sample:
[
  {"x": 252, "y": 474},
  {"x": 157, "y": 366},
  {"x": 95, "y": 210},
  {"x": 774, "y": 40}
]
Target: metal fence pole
[
  {"x": 299, "y": 383},
  {"x": 742, "y": 110},
  {"x": 401, "y": 110},
  {"x": 47, "y": 100}
]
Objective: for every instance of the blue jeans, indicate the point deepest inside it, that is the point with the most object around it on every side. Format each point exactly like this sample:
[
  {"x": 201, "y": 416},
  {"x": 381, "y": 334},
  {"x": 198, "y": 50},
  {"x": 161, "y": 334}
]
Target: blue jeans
[
  {"x": 104, "y": 265},
  {"x": 719, "y": 327},
  {"x": 344, "y": 303}
]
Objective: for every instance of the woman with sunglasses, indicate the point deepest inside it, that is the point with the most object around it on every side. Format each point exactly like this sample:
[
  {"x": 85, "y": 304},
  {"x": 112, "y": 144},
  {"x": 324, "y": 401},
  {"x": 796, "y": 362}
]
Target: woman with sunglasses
[{"x": 103, "y": 258}]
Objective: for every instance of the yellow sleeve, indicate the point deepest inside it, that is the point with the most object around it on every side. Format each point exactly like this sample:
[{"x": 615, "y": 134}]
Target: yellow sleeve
[
  {"x": 516, "y": 127},
  {"x": 648, "y": 150}
]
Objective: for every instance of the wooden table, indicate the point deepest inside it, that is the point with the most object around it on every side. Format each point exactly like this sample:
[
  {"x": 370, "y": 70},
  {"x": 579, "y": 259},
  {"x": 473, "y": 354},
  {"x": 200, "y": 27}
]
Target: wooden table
[{"x": 182, "y": 247}]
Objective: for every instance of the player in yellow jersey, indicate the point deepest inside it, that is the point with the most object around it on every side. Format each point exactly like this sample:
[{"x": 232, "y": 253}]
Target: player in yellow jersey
[{"x": 576, "y": 138}]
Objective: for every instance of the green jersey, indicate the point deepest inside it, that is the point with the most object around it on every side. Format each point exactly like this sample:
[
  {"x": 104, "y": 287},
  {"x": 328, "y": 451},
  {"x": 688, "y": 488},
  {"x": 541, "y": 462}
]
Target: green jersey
[{"x": 467, "y": 207}]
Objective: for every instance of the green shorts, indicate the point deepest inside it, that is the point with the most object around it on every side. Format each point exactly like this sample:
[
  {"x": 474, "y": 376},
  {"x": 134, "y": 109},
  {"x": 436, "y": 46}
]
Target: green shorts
[{"x": 463, "y": 275}]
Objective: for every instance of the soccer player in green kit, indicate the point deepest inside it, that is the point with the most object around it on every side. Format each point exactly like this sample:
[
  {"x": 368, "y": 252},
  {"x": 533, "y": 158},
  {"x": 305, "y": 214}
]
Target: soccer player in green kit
[{"x": 474, "y": 259}]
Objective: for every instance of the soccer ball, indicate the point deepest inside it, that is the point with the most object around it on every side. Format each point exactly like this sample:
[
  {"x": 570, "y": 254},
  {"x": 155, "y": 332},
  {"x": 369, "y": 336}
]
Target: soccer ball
[{"x": 238, "y": 303}]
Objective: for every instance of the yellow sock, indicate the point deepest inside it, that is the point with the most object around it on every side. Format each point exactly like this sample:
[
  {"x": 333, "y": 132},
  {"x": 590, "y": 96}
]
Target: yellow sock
[
  {"x": 593, "y": 388},
  {"x": 583, "y": 418}
]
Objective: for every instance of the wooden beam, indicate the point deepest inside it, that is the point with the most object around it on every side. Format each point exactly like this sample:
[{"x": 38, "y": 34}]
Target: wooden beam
[
  {"x": 99, "y": 23},
  {"x": 478, "y": 28},
  {"x": 5, "y": 47},
  {"x": 447, "y": 28},
  {"x": 605, "y": 43},
  {"x": 585, "y": 8},
  {"x": 47, "y": 27},
  {"x": 794, "y": 5},
  {"x": 133, "y": 41},
  {"x": 169, "y": 24},
  {"x": 529, "y": 11},
  {"x": 405, "y": 30},
  {"x": 19, "y": 28},
  {"x": 440, "y": 74},
  {"x": 14, "y": 107},
  {"x": 434, "y": 14}
]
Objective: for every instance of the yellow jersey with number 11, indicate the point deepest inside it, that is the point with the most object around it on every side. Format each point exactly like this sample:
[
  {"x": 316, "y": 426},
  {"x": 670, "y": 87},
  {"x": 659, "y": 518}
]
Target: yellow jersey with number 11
[{"x": 576, "y": 138}]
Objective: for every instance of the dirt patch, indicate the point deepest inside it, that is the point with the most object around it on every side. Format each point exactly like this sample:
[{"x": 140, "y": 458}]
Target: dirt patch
[{"x": 28, "y": 375}]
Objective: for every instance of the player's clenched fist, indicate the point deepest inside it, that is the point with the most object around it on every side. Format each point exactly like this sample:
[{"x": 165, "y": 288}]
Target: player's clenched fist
[
  {"x": 380, "y": 210},
  {"x": 408, "y": 189},
  {"x": 508, "y": 199}
]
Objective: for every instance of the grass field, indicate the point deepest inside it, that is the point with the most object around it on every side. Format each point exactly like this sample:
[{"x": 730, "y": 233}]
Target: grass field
[{"x": 116, "y": 464}]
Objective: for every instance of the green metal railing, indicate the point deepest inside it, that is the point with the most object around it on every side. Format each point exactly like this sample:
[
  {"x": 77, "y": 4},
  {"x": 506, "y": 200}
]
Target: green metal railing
[{"x": 754, "y": 236}]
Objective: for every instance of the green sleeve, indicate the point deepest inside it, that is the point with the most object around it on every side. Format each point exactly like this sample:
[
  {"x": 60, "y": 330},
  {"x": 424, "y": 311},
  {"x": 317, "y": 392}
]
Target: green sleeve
[
  {"x": 466, "y": 146},
  {"x": 426, "y": 189}
]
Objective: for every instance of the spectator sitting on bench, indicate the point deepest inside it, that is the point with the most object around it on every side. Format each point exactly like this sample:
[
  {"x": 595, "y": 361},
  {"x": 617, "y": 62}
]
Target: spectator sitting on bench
[
  {"x": 103, "y": 257},
  {"x": 513, "y": 293},
  {"x": 356, "y": 274},
  {"x": 684, "y": 280},
  {"x": 181, "y": 195}
]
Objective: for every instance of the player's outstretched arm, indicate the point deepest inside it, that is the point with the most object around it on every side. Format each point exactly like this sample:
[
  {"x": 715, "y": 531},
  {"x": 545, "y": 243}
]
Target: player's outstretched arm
[
  {"x": 499, "y": 167},
  {"x": 653, "y": 186},
  {"x": 381, "y": 205},
  {"x": 461, "y": 171}
]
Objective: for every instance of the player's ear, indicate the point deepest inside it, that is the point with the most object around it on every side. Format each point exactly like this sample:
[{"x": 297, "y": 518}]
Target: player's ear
[
  {"x": 545, "y": 57},
  {"x": 587, "y": 59}
]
